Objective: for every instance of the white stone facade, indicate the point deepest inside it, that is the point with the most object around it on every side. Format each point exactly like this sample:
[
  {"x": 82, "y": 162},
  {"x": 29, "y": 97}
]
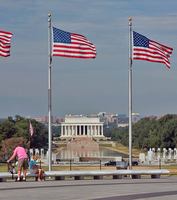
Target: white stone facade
[{"x": 81, "y": 126}]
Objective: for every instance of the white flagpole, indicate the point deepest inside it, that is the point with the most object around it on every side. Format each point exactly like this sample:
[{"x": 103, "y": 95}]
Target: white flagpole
[
  {"x": 130, "y": 93},
  {"x": 49, "y": 95}
]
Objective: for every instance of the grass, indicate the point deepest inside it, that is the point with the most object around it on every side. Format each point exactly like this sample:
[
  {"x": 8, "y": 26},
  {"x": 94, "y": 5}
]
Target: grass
[{"x": 3, "y": 168}]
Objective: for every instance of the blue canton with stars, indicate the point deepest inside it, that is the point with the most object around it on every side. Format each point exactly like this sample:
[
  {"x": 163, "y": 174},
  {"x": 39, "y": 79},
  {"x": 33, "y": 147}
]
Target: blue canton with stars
[
  {"x": 60, "y": 36},
  {"x": 140, "y": 40}
]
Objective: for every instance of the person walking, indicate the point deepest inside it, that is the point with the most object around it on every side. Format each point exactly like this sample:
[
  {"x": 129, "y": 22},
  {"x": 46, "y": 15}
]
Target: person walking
[{"x": 22, "y": 156}]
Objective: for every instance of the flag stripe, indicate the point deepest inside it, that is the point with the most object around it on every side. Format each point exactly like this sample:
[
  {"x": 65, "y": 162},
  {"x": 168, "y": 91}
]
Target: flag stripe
[
  {"x": 73, "y": 55},
  {"x": 74, "y": 46},
  {"x": 5, "y": 43},
  {"x": 31, "y": 130},
  {"x": 4, "y": 49},
  {"x": 149, "y": 50},
  {"x": 168, "y": 49},
  {"x": 153, "y": 60},
  {"x": 71, "y": 45},
  {"x": 150, "y": 54}
]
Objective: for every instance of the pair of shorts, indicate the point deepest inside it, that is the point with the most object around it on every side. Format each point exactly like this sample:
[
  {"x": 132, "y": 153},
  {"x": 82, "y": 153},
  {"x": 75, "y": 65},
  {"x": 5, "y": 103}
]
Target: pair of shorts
[{"x": 23, "y": 163}]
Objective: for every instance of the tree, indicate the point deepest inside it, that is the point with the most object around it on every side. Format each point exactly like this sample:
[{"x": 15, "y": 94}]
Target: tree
[
  {"x": 19, "y": 128},
  {"x": 150, "y": 132},
  {"x": 8, "y": 145}
]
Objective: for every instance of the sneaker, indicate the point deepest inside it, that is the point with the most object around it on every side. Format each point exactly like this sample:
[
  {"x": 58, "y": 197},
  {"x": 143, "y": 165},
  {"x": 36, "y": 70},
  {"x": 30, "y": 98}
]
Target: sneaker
[
  {"x": 24, "y": 178},
  {"x": 18, "y": 179}
]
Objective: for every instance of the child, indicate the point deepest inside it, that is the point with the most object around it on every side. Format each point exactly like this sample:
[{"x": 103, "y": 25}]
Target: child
[{"x": 35, "y": 168}]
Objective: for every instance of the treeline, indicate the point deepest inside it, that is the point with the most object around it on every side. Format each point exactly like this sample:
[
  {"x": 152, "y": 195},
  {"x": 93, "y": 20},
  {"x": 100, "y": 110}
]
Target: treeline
[
  {"x": 149, "y": 132},
  {"x": 16, "y": 129}
]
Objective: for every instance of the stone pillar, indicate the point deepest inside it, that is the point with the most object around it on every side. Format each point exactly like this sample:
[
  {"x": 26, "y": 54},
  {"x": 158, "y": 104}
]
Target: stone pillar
[
  {"x": 164, "y": 153},
  {"x": 170, "y": 151},
  {"x": 65, "y": 129},
  {"x": 150, "y": 156},
  {"x": 79, "y": 129},
  {"x": 72, "y": 130},
  {"x": 75, "y": 130},
  {"x": 89, "y": 128},
  {"x": 96, "y": 130},
  {"x": 158, "y": 154},
  {"x": 93, "y": 130},
  {"x": 84, "y": 130},
  {"x": 36, "y": 151},
  {"x": 99, "y": 130},
  {"x": 54, "y": 157},
  {"x": 175, "y": 153},
  {"x": 61, "y": 130},
  {"x": 69, "y": 130},
  {"x": 42, "y": 153},
  {"x": 31, "y": 152}
]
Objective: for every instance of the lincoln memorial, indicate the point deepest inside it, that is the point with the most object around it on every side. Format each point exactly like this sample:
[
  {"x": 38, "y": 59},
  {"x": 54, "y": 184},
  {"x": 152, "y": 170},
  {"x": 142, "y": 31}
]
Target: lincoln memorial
[{"x": 77, "y": 126}]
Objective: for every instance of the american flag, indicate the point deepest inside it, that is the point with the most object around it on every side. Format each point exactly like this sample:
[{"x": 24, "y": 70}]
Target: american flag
[
  {"x": 5, "y": 43},
  {"x": 31, "y": 130},
  {"x": 149, "y": 50},
  {"x": 71, "y": 45}
]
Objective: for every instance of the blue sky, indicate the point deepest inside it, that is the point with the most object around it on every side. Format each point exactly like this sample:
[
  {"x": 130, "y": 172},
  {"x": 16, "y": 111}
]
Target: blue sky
[{"x": 86, "y": 86}]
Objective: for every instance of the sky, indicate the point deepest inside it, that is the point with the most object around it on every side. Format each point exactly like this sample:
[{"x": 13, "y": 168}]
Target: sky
[{"x": 88, "y": 86}]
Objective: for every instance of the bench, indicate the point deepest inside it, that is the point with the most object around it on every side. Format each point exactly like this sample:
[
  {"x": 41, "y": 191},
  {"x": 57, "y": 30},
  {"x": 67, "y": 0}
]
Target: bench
[
  {"x": 96, "y": 174},
  {"x": 7, "y": 175}
]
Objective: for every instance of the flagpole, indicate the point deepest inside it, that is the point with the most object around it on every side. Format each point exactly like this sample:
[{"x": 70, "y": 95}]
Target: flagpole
[
  {"x": 130, "y": 92},
  {"x": 49, "y": 95},
  {"x": 29, "y": 134}
]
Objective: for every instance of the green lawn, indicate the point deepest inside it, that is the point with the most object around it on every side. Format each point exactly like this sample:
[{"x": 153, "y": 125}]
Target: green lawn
[{"x": 3, "y": 168}]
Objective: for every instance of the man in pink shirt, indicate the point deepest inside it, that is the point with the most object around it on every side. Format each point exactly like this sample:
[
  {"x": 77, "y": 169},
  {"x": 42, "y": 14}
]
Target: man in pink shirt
[{"x": 22, "y": 156}]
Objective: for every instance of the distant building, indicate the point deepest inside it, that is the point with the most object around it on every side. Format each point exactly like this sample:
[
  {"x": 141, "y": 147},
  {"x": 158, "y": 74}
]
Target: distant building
[
  {"x": 110, "y": 119},
  {"x": 122, "y": 120},
  {"x": 44, "y": 119},
  {"x": 81, "y": 126},
  {"x": 92, "y": 121},
  {"x": 135, "y": 117}
]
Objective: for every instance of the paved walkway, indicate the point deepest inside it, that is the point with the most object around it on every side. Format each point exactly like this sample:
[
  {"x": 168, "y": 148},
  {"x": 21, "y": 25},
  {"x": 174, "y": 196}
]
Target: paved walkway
[{"x": 122, "y": 189}]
